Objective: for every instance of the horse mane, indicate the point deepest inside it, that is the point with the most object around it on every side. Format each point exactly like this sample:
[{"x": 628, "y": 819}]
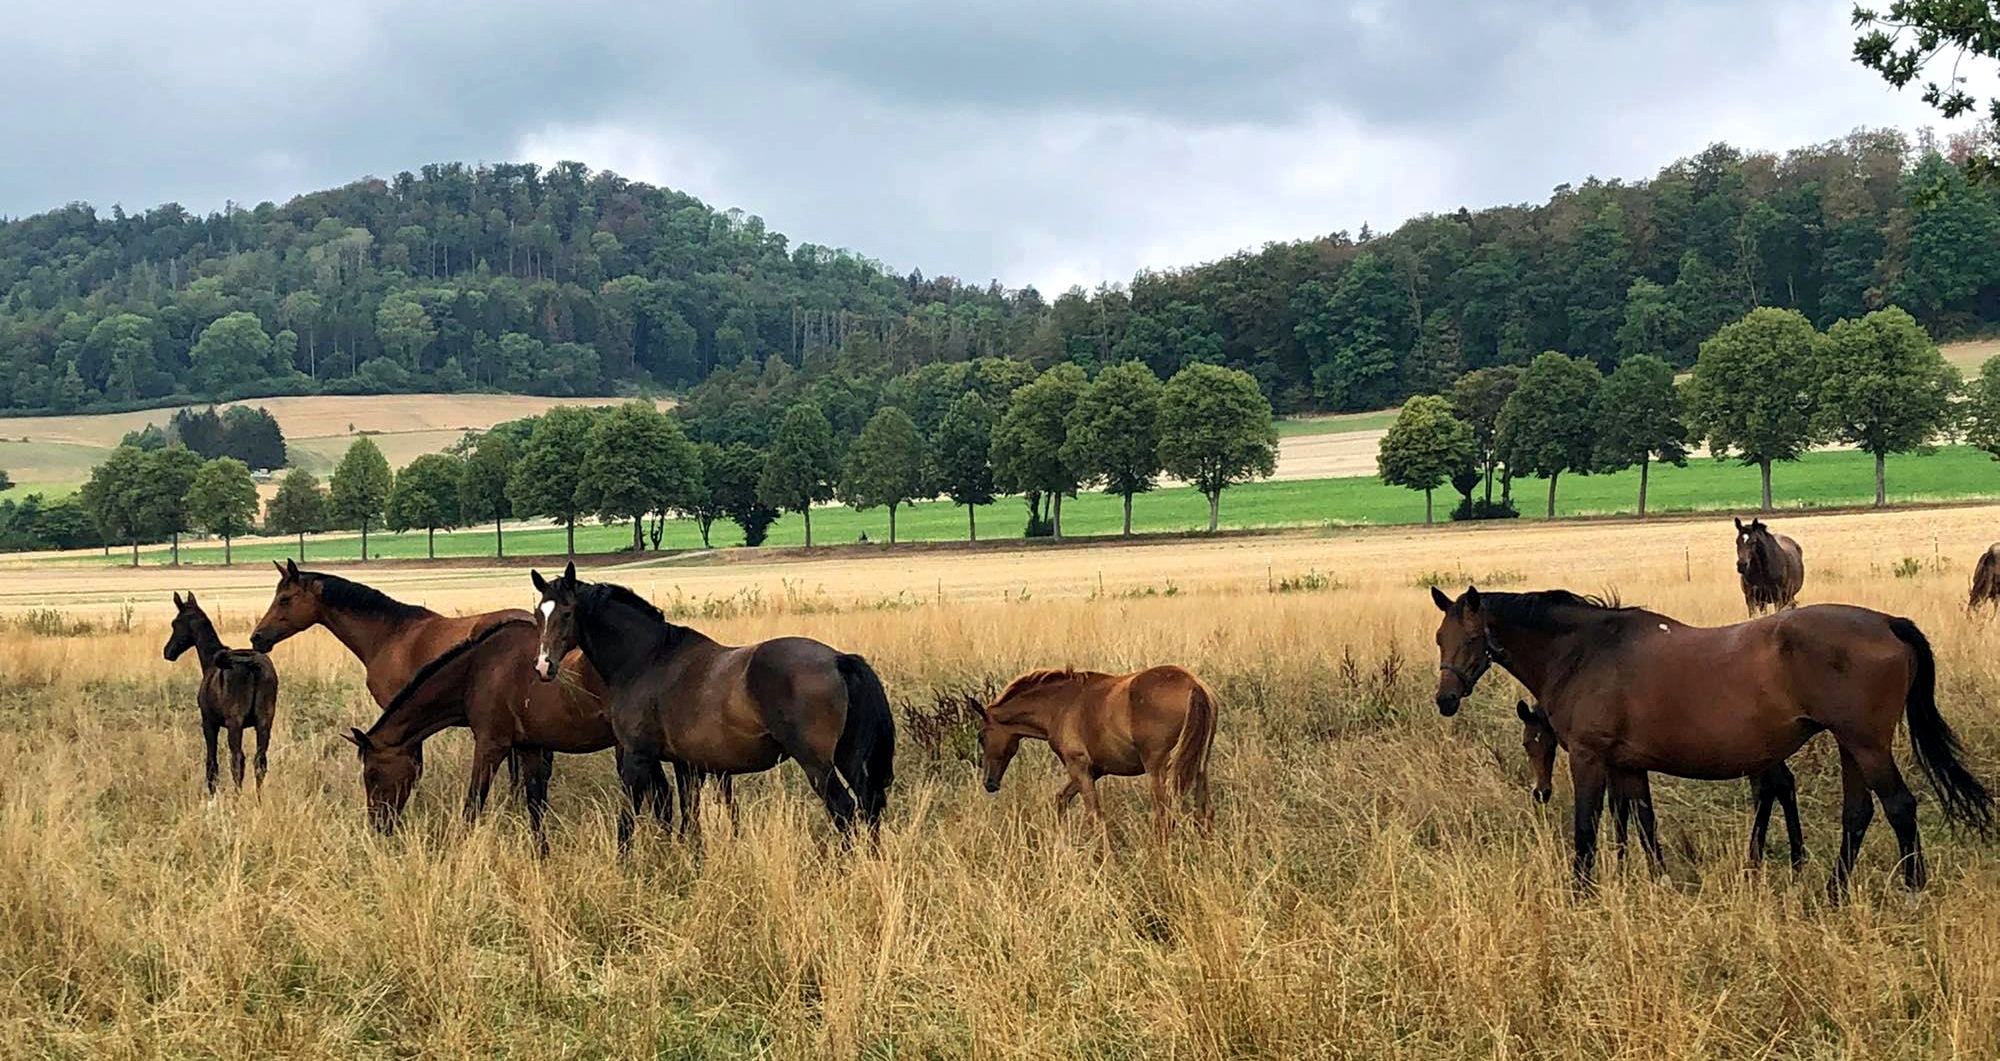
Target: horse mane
[
  {"x": 443, "y": 660},
  {"x": 597, "y": 594},
  {"x": 353, "y": 596},
  {"x": 1553, "y": 610},
  {"x": 1035, "y": 679}
]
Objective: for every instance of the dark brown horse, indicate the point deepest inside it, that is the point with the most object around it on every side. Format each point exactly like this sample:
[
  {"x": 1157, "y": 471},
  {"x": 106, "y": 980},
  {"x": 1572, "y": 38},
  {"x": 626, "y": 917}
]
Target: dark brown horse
[
  {"x": 1631, "y": 691},
  {"x": 1776, "y": 785},
  {"x": 394, "y": 641},
  {"x": 1159, "y": 722},
  {"x": 239, "y": 687},
  {"x": 1986, "y": 578},
  {"x": 677, "y": 696},
  {"x": 1771, "y": 567}
]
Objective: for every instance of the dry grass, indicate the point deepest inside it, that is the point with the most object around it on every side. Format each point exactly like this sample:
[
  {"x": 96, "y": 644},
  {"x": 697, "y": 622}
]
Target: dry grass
[{"x": 1379, "y": 884}]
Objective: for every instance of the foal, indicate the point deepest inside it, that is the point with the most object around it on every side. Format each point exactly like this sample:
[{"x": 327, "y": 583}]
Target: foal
[
  {"x": 239, "y": 687},
  {"x": 1158, "y": 722}
]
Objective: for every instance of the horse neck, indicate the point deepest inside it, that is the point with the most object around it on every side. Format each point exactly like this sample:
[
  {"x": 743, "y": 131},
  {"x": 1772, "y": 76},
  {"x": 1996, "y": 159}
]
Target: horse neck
[
  {"x": 206, "y": 641},
  {"x": 414, "y": 722},
  {"x": 1531, "y": 655},
  {"x": 1034, "y": 712},
  {"x": 365, "y": 635},
  {"x": 619, "y": 640}
]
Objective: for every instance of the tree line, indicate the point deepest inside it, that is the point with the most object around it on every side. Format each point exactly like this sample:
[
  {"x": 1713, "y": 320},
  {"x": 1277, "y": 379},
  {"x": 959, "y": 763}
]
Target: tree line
[
  {"x": 1765, "y": 389},
  {"x": 572, "y": 282},
  {"x": 250, "y": 435}
]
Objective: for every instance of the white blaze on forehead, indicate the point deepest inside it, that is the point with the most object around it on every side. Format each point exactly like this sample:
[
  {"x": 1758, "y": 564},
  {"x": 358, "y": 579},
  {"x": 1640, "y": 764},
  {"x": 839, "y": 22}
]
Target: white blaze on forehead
[{"x": 547, "y": 609}]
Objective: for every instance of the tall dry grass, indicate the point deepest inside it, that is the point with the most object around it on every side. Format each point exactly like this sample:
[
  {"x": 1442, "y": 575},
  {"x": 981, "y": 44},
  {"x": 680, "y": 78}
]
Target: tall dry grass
[{"x": 1378, "y": 885}]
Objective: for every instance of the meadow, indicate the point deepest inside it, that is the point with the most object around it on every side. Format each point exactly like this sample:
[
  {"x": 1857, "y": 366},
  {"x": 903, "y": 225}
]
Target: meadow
[{"x": 1378, "y": 884}]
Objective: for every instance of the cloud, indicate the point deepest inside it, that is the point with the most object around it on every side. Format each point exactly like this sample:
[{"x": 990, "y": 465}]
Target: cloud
[{"x": 1037, "y": 141}]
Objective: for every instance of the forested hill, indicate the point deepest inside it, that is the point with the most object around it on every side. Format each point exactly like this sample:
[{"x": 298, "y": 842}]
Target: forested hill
[{"x": 566, "y": 281}]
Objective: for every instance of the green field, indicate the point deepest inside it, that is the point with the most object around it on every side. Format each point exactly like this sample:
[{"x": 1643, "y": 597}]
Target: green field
[
  {"x": 1291, "y": 427},
  {"x": 1819, "y": 480}
]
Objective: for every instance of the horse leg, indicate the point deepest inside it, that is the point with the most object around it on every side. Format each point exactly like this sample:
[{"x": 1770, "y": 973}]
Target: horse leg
[
  {"x": 1085, "y": 780},
  {"x": 1205, "y": 809},
  {"x": 1589, "y": 778},
  {"x": 263, "y": 751},
  {"x": 1764, "y": 795},
  {"x": 633, "y": 777},
  {"x": 1857, "y": 809},
  {"x": 1786, "y": 788},
  {"x": 210, "y": 727},
  {"x": 1063, "y": 798},
  {"x": 1163, "y": 806},
  {"x": 689, "y": 780},
  {"x": 1641, "y": 799},
  {"x": 236, "y": 753},
  {"x": 826, "y": 783},
  {"x": 726, "y": 784},
  {"x": 535, "y": 787},
  {"x": 1621, "y": 814},
  {"x": 486, "y": 759},
  {"x": 1899, "y": 805}
]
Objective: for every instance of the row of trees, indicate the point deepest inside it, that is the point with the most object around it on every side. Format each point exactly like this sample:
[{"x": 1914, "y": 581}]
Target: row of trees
[
  {"x": 1765, "y": 389},
  {"x": 572, "y": 282},
  {"x": 249, "y": 435},
  {"x": 138, "y": 495}
]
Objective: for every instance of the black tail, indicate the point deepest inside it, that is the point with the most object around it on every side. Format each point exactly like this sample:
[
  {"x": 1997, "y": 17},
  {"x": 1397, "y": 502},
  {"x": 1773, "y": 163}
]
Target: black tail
[
  {"x": 1965, "y": 801},
  {"x": 430, "y": 670},
  {"x": 238, "y": 668},
  {"x": 870, "y": 737}
]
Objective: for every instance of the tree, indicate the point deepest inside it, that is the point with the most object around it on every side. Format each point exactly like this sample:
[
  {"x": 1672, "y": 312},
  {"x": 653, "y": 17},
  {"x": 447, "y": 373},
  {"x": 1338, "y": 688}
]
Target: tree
[
  {"x": 1547, "y": 428},
  {"x": 1425, "y": 447},
  {"x": 1753, "y": 390},
  {"x": 1883, "y": 387},
  {"x": 1114, "y": 432},
  {"x": 1477, "y": 399},
  {"x": 299, "y": 507},
  {"x": 482, "y": 485},
  {"x": 961, "y": 455},
  {"x": 732, "y": 477},
  {"x": 1216, "y": 430},
  {"x": 800, "y": 469},
  {"x": 426, "y": 494},
  {"x": 360, "y": 488},
  {"x": 548, "y": 478},
  {"x": 1355, "y": 335},
  {"x": 886, "y": 466},
  {"x": 170, "y": 475},
  {"x": 223, "y": 501},
  {"x": 115, "y": 499},
  {"x": 1900, "y": 43},
  {"x": 6, "y": 481},
  {"x": 253, "y": 437},
  {"x": 1638, "y": 418},
  {"x": 637, "y": 460},
  {"x": 1028, "y": 441},
  {"x": 231, "y": 352},
  {"x": 1982, "y": 409}
]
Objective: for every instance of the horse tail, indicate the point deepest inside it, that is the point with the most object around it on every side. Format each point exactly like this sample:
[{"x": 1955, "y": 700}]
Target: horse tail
[
  {"x": 1965, "y": 801},
  {"x": 1197, "y": 735},
  {"x": 444, "y": 660},
  {"x": 870, "y": 735},
  {"x": 237, "y": 671}
]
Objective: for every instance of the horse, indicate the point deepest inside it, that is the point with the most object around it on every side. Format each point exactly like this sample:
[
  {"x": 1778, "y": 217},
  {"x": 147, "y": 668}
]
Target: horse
[
  {"x": 1986, "y": 578},
  {"x": 1775, "y": 785},
  {"x": 1771, "y": 567},
  {"x": 394, "y": 641},
  {"x": 239, "y": 687},
  {"x": 1159, "y": 722},
  {"x": 1631, "y": 691},
  {"x": 676, "y": 695}
]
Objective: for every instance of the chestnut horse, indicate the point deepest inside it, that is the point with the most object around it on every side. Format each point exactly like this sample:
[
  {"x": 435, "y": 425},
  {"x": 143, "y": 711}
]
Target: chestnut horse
[
  {"x": 1986, "y": 578},
  {"x": 1159, "y": 722},
  {"x": 239, "y": 687},
  {"x": 395, "y": 640},
  {"x": 1771, "y": 567},
  {"x": 1631, "y": 691},
  {"x": 677, "y": 696},
  {"x": 1776, "y": 785}
]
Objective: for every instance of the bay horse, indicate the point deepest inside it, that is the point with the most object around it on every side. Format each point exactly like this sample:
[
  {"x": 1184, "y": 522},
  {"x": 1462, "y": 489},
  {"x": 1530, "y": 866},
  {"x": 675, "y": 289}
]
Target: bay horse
[
  {"x": 1774, "y": 786},
  {"x": 394, "y": 641},
  {"x": 239, "y": 687},
  {"x": 1631, "y": 691},
  {"x": 1159, "y": 722},
  {"x": 1986, "y": 578},
  {"x": 1771, "y": 567},
  {"x": 676, "y": 695}
]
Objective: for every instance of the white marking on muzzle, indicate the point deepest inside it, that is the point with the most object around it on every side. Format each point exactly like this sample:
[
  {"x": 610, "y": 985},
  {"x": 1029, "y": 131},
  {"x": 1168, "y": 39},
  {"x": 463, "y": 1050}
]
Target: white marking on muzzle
[{"x": 542, "y": 663}]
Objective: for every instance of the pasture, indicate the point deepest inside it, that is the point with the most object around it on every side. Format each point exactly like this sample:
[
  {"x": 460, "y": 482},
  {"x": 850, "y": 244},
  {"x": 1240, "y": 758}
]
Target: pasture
[{"x": 1379, "y": 883}]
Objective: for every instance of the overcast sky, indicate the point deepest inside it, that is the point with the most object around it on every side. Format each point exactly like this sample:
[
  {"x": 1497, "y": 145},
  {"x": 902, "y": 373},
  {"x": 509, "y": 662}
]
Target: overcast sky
[{"x": 1033, "y": 141}]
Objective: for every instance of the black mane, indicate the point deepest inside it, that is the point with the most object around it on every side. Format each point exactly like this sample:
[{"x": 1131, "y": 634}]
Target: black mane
[
  {"x": 349, "y": 596},
  {"x": 597, "y": 594},
  {"x": 1552, "y": 610},
  {"x": 443, "y": 660}
]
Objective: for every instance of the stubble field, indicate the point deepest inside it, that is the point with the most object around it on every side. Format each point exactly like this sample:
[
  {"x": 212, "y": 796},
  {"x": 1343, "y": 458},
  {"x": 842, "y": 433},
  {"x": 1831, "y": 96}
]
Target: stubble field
[{"x": 1378, "y": 884}]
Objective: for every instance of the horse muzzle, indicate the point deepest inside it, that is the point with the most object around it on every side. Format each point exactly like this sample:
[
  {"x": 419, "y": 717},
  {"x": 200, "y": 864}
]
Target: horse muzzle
[
  {"x": 542, "y": 668},
  {"x": 992, "y": 784},
  {"x": 1447, "y": 703},
  {"x": 262, "y": 642},
  {"x": 1541, "y": 795}
]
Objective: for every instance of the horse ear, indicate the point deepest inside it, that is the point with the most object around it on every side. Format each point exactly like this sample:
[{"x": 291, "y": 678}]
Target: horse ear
[
  {"x": 1739, "y": 523},
  {"x": 1471, "y": 599},
  {"x": 1438, "y": 598},
  {"x": 541, "y": 584},
  {"x": 569, "y": 571},
  {"x": 177, "y": 601},
  {"x": 292, "y": 570},
  {"x": 357, "y": 738},
  {"x": 1521, "y": 709},
  {"x": 190, "y": 602}
]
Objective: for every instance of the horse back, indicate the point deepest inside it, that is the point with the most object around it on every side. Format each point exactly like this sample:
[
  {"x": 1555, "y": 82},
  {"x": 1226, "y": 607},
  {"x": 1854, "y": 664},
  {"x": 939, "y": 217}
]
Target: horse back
[
  {"x": 1792, "y": 567},
  {"x": 239, "y": 687},
  {"x": 1986, "y": 576}
]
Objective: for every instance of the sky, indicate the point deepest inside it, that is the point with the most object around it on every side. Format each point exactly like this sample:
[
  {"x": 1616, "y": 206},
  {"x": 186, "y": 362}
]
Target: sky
[{"x": 1029, "y": 141}]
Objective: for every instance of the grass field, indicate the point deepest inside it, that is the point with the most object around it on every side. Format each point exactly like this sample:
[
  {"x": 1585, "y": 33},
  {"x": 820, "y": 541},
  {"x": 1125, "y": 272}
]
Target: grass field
[
  {"x": 1379, "y": 884},
  {"x": 1825, "y": 479},
  {"x": 1291, "y": 427}
]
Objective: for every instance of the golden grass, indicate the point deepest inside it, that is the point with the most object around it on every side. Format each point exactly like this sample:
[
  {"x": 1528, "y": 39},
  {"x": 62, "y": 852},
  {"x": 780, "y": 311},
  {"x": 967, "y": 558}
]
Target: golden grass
[{"x": 1379, "y": 884}]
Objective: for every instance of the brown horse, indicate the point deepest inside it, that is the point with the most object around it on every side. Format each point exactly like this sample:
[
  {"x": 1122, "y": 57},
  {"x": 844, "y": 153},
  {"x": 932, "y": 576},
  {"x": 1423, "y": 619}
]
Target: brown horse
[
  {"x": 1771, "y": 567},
  {"x": 394, "y": 641},
  {"x": 677, "y": 696},
  {"x": 1776, "y": 785},
  {"x": 1986, "y": 578},
  {"x": 1159, "y": 722},
  {"x": 1631, "y": 691},
  {"x": 239, "y": 687}
]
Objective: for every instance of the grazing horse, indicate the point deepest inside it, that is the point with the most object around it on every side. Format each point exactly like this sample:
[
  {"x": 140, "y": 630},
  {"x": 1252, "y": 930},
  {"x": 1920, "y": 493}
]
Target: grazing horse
[
  {"x": 1159, "y": 722},
  {"x": 677, "y": 696},
  {"x": 1776, "y": 785},
  {"x": 395, "y": 640},
  {"x": 1631, "y": 691},
  {"x": 1986, "y": 578},
  {"x": 239, "y": 687},
  {"x": 1771, "y": 567}
]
